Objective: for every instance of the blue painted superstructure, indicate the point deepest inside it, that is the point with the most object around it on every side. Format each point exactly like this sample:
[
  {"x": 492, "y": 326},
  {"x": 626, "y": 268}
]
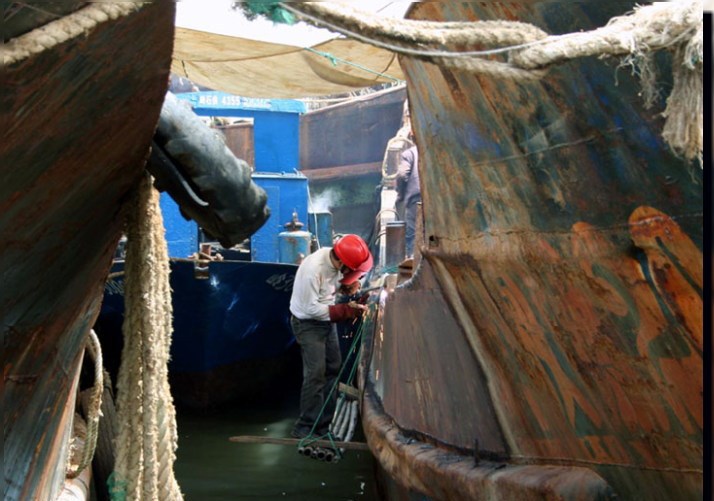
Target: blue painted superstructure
[
  {"x": 287, "y": 194},
  {"x": 276, "y": 133},
  {"x": 276, "y": 125},
  {"x": 320, "y": 225},
  {"x": 182, "y": 235}
]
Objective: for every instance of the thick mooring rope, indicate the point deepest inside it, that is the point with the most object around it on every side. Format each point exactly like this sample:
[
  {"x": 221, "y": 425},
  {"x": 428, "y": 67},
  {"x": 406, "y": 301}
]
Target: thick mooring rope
[
  {"x": 66, "y": 28},
  {"x": 674, "y": 26},
  {"x": 407, "y": 33},
  {"x": 147, "y": 438},
  {"x": 684, "y": 126}
]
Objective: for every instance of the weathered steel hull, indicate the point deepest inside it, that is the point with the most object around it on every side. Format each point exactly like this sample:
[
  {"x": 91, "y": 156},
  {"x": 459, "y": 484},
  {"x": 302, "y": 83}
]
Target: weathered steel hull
[
  {"x": 554, "y": 325},
  {"x": 80, "y": 116}
]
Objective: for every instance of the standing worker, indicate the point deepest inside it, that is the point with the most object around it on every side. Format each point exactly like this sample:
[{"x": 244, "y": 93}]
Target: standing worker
[
  {"x": 314, "y": 312},
  {"x": 409, "y": 193}
]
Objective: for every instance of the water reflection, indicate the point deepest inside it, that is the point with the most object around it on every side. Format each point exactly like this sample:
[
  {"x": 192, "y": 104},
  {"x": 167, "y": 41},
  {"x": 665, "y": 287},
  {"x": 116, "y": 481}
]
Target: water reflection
[{"x": 210, "y": 468}]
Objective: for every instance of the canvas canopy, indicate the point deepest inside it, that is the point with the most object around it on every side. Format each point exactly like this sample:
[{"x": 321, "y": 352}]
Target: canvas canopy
[
  {"x": 260, "y": 69},
  {"x": 224, "y": 51}
]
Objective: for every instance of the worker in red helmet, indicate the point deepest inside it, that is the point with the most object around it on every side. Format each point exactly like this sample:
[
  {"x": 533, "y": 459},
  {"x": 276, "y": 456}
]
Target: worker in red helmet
[{"x": 314, "y": 314}]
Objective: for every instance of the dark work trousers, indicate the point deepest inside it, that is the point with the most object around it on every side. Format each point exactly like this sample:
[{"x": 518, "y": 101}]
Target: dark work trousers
[
  {"x": 321, "y": 361},
  {"x": 412, "y": 211}
]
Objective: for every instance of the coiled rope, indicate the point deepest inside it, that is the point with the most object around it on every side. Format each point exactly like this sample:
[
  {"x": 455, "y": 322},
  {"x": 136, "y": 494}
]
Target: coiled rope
[
  {"x": 674, "y": 26},
  {"x": 94, "y": 412},
  {"x": 147, "y": 437}
]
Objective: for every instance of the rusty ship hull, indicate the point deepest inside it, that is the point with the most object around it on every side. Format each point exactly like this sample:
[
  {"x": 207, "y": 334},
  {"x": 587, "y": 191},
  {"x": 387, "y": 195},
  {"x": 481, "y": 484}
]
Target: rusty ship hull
[
  {"x": 80, "y": 108},
  {"x": 550, "y": 342}
]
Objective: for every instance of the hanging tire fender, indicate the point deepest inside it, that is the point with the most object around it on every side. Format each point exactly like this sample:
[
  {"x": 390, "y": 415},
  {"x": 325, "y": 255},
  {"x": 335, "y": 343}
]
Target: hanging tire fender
[{"x": 192, "y": 163}]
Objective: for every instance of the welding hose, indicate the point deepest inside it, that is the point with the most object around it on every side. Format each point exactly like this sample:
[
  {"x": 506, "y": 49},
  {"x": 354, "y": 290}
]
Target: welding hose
[
  {"x": 347, "y": 426},
  {"x": 338, "y": 413},
  {"x": 305, "y": 451},
  {"x": 341, "y": 419},
  {"x": 318, "y": 453},
  {"x": 353, "y": 421},
  {"x": 344, "y": 423}
]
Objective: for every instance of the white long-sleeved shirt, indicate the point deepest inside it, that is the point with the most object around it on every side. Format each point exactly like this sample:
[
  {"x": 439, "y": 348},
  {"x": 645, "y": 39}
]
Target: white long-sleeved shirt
[{"x": 315, "y": 285}]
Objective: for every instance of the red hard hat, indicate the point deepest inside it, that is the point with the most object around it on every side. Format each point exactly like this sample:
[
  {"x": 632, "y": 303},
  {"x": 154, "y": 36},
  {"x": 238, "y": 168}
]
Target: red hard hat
[{"x": 354, "y": 253}]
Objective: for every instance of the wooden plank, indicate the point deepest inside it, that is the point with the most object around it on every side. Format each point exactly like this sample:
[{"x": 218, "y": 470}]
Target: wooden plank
[
  {"x": 350, "y": 391},
  {"x": 341, "y": 171},
  {"x": 252, "y": 439}
]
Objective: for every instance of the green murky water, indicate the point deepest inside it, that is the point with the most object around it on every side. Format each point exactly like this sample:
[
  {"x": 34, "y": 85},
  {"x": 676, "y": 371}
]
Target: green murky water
[{"x": 210, "y": 468}]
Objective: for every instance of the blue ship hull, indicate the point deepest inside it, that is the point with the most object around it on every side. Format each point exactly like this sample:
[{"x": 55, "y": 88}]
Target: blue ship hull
[{"x": 232, "y": 336}]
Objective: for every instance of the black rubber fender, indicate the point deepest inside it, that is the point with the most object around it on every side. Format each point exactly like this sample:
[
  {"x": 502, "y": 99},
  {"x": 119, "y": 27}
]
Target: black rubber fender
[{"x": 192, "y": 163}]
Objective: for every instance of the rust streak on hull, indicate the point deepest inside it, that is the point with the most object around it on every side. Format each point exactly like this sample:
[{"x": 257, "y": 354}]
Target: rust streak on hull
[{"x": 556, "y": 315}]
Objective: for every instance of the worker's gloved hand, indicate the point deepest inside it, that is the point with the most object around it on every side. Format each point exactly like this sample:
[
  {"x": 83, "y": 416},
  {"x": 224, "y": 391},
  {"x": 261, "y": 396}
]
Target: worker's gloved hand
[
  {"x": 362, "y": 298},
  {"x": 345, "y": 311}
]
